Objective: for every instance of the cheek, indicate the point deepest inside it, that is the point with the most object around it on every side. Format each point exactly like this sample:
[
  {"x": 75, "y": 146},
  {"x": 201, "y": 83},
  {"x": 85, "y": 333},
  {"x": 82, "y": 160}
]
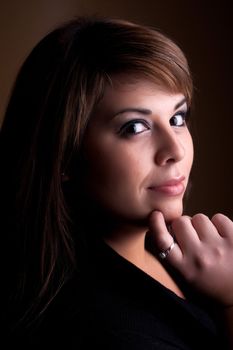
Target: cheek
[
  {"x": 116, "y": 182},
  {"x": 116, "y": 176},
  {"x": 115, "y": 168},
  {"x": 191, "y": 152},
  {"x": 188, "y": 141}
]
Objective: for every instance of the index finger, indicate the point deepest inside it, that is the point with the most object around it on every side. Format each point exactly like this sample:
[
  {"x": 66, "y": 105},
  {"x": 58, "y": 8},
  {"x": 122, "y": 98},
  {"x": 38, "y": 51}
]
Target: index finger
[{"x": 162, "y": 238}]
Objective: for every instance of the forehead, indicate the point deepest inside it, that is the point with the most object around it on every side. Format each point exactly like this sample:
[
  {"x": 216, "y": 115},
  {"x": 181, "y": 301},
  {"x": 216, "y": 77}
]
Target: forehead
[{"x": 125, "y": 91}]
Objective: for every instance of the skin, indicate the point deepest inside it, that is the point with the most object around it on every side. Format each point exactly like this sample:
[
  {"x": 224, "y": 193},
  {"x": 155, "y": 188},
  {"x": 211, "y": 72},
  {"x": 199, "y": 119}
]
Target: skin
[
  {"x": 203, "y": 255},
  {"x": 138, "y": 140},
  {"x": 125, "y": 165},
  {"x": 126, "y": 162}
]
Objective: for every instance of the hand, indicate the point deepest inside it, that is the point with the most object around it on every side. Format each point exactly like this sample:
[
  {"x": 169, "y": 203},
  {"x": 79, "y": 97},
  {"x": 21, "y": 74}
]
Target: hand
[{"x": 203, "y": 253}]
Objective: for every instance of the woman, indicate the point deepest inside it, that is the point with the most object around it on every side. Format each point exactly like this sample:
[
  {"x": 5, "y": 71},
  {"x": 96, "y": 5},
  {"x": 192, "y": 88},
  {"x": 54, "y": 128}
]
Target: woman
[{"x": 96, "y": 157}]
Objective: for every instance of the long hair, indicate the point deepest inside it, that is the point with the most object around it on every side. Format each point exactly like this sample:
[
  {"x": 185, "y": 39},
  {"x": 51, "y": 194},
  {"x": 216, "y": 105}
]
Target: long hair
[{"x": 55, "y": 93}]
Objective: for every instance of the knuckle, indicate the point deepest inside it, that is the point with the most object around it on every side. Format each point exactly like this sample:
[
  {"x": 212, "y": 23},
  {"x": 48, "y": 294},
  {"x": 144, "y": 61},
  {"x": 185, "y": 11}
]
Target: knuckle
[
  {"x": 205, "y": 260},
  {"x": 180, "y": 222},
  {"x": 202, "y": 262},
  {"x": 219, "y": 253},
  {"x": 218, "y": 217},
  {"x": 199, "y": 218},
  {"x": 164, "y": 244}
]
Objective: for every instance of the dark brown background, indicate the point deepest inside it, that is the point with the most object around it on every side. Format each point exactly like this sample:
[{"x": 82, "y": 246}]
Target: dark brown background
[{"x": 202, "y": 29}]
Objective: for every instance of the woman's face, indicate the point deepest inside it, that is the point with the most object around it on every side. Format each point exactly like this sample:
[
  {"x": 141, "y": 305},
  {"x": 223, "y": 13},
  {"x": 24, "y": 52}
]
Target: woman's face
[{"x": 139, "y": 151}]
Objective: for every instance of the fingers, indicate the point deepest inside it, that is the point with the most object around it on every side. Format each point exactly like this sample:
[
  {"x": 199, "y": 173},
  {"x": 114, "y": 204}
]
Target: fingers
[
  {"x": 202, "y": 254},
  {"x": 223, "y": 225},
  {"x": 185, "y": 234},
  {"x": 163, "y": 239},
  {"x": 204, "y": 228},
  {"x": 189, "y": 233}
]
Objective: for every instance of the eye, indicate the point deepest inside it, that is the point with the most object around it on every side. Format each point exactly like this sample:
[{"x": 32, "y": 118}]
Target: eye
[
  {"x": 178, "y": 119},
  {"x": 133, "y": 127}
]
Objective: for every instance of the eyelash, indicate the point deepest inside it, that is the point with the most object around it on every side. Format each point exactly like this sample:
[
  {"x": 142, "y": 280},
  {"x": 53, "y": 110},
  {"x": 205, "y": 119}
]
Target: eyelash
[
  {"x": 124, "y": 130},
  {"x": 184, "y": 116}
]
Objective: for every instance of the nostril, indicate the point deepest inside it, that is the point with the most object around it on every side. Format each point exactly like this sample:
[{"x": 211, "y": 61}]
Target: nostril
[{"x": 170, "y": 153}]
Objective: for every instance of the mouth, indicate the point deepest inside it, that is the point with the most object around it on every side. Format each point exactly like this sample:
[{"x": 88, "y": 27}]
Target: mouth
[{"x": 172, "y": 187}]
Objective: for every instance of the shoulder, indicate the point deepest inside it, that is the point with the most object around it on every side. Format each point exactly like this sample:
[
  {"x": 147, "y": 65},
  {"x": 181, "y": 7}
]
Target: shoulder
[{"x": 114, "y": 305}]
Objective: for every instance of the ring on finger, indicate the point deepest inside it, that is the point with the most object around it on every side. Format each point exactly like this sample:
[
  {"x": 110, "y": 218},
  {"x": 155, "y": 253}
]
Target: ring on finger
[{"x": 164, "y": 253}]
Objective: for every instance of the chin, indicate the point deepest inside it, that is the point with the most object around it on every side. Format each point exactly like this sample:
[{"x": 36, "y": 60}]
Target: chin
[{"x": 171, "y": 213}]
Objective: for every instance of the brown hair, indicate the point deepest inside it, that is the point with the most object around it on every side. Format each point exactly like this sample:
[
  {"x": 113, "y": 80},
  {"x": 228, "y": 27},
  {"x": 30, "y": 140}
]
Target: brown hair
[{"x": 57, "y": 88}]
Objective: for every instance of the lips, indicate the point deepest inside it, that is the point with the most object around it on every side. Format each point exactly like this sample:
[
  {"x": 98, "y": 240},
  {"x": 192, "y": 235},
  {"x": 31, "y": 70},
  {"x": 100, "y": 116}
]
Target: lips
[{"x": 173, "y": 187}]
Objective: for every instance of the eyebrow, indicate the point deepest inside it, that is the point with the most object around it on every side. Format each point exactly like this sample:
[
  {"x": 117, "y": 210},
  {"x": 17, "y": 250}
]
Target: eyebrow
[
  {"x": 179, "y": 104},
  {"x": 137, "y": 110},
  {"x": 146, "y": 111}
]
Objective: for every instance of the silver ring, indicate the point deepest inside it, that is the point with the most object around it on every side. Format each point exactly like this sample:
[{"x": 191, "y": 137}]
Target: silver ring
[{"x": 164, "y": 253}]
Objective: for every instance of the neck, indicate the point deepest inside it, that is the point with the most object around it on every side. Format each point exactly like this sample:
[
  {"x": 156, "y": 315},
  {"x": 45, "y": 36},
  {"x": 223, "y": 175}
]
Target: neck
[{"x": 130, "y": 243}]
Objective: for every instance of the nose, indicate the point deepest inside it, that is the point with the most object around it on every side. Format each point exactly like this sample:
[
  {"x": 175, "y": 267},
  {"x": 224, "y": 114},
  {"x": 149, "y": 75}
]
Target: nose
[{"x": 169, "y": 148}]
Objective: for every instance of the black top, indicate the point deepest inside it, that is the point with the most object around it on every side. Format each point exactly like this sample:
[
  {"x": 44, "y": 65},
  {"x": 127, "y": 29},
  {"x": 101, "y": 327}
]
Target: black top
[{"x": 112, "y": 304}]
